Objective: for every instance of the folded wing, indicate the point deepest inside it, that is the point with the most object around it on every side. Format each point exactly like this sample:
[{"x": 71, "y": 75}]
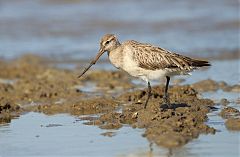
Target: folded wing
[{"x": 154, "y": 58}]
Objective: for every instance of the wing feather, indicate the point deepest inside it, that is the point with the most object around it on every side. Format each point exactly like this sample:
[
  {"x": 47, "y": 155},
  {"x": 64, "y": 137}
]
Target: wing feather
[{"x": 154, "y": 58}]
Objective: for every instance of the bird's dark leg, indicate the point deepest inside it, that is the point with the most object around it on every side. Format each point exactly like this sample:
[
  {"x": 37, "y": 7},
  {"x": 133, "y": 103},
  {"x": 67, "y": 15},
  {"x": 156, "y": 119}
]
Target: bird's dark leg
[
  {"x": 166, "y": 97},
  {"x": 149, "y": 94}
]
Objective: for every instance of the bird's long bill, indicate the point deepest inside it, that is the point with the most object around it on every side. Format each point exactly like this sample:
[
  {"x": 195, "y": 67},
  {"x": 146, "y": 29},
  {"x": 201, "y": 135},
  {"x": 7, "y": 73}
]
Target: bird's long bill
[{"x": 101, "y": 51}]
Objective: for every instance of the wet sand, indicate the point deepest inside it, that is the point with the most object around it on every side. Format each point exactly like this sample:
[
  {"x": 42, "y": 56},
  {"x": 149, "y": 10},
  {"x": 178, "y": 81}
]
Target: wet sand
[{"x": 31, "y": 84}]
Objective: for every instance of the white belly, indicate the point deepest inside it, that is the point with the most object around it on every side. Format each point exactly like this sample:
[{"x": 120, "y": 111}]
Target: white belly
[
  {"x": 157, "y": 74},
  {"x": 131, "y": 67}
]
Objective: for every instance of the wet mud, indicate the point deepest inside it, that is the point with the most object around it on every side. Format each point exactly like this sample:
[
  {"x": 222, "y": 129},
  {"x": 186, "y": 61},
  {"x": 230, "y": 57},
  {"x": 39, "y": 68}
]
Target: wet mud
[
  {"x": 168, "y": 127},
  {"x": 31, "y": 84},
  {"x": 211, "y": 86},
  {"x": 224, "y": 101},
  {"x": 233, "y": 124},
  {"x": 229, "y": 112},
  {"x": 8, "y": 110},
  {"x": 232, "y": 116}
]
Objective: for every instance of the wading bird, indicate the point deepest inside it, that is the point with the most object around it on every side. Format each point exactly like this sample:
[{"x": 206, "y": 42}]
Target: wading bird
[{"x": 146, "y": 61}]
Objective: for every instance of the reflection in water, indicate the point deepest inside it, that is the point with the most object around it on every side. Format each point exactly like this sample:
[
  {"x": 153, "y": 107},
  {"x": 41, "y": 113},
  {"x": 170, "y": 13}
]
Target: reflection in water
[{"x": 31, "y": 135}]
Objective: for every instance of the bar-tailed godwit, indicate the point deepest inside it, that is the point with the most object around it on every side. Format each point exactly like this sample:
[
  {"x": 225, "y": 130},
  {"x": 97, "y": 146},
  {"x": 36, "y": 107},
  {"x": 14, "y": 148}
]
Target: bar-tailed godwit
[{"x": 146, "y": 61}]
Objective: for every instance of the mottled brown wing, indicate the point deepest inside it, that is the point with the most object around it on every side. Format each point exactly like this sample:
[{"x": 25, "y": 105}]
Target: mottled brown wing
[{"x": 153, "y": 58}]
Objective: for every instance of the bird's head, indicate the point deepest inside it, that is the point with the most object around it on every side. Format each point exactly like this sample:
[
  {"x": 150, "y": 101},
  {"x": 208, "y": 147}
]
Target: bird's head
[{"x": 108, "y": 43}]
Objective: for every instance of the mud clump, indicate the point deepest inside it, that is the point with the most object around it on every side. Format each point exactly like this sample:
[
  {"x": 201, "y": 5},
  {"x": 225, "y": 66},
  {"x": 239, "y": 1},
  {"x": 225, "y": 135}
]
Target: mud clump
[
  {"x": 109, "y": 80},
  {"x": 224, "y": 102},
  {"x": 168, "y": 127},
  {"x": 36, "y": 82},
  {"x": 8, "y": 110},
  {"x": 206, "y": 85},
  {"x": 109, "y": 134},
  {"x": 232, "y": 115},
  {"x": 229, "y": 112},
  {"x": 235, "y": 88},
  {"x": 36, "y": 85},
  {"x": 233, "y": 124},
  {"x": 78, "y": 107},
  {"x": 211, "y": 86}
]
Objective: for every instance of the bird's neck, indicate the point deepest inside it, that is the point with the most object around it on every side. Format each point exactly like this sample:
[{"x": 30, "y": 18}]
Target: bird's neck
[
  {"x": 116, "y": 56},
  {"x": 118, "y": 44}
]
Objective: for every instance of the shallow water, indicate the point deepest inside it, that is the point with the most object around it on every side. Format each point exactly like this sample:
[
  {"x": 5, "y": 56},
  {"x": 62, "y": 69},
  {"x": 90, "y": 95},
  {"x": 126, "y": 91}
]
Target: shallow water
[
  {"x": 42, "y": 135},
  {"x": 225, "y": 70},
  {"x": 73, "y": 28}
]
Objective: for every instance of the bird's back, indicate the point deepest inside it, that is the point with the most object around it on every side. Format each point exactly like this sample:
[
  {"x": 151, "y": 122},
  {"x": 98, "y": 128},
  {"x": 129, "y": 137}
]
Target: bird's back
[{"x": 151, "y": 57}]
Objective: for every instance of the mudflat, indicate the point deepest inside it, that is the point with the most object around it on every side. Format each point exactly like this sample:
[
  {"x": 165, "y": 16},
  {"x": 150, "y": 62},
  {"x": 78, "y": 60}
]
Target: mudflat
[{"x": 33, "y": 84}]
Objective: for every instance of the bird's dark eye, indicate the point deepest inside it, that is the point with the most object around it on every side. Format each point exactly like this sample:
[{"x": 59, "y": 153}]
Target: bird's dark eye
[{"x": 107, "y": 42}]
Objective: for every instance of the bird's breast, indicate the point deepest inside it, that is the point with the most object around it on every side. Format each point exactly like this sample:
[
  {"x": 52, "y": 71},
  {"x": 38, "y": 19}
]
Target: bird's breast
[{"x": 116, "y": 58}]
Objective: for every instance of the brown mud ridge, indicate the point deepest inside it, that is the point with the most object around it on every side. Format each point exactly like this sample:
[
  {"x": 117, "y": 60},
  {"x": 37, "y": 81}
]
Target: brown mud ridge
[
  {"x": 168, "y": 127},
  {"x": 211, "y": 86},
  {"x": 32, "y": 84},
  {"x": 232, "y": 116}
]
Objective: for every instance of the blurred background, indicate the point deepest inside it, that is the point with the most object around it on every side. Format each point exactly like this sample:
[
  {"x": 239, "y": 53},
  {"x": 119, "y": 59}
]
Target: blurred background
[{"x": 73, "y": 28}]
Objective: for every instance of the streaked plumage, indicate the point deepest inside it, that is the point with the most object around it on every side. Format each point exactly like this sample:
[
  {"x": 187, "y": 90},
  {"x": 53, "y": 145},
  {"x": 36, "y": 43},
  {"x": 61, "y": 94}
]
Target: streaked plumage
[
  {"x": 146, "y": 61},
  {"x": 159, "y": 58}
]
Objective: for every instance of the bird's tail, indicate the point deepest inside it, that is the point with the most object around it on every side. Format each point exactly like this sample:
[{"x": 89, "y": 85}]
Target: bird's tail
[{"x": 200, "y": 63}]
